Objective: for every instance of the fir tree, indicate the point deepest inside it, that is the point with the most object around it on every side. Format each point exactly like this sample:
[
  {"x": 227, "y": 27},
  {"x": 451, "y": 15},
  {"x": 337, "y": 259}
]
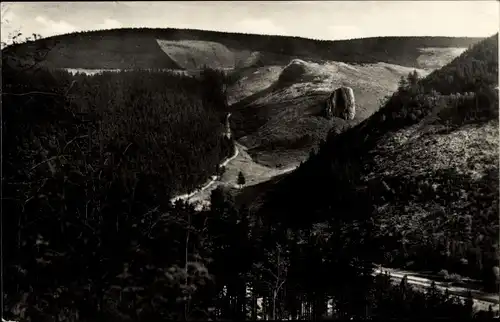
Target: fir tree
[
  {"x": 241, "y": 179},
  {"x": 469, "y": 305}
]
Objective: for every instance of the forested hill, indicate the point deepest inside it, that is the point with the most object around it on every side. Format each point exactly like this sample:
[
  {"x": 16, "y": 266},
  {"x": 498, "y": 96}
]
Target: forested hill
[
  {"x": 159, "y": 48},
  {"x": 418, "y": 179}
]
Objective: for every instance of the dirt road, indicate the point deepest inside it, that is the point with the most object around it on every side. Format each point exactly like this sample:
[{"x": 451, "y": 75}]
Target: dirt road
[{"x": 482, "y": 300}]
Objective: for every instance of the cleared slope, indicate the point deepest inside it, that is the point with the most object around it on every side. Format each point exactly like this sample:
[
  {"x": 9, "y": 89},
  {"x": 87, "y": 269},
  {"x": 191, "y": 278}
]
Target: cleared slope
[
  {"x": 435, "y": 57},
  {"x": 195, "y": 54},
  {"x": 250, "y": 81},
  {"x": 253, "y": 172},
  {"x": 285, "y": 120},
  {"x": 422, "y": 171}
]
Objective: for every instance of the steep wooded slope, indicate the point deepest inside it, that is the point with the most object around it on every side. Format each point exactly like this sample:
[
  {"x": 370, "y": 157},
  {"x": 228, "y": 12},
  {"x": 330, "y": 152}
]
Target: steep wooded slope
[{"x": 422, "y": 172}]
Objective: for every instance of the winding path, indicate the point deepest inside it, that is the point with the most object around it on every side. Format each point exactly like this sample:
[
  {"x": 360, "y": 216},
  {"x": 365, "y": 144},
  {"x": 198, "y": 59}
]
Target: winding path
[{"x": 207, "y": 185}]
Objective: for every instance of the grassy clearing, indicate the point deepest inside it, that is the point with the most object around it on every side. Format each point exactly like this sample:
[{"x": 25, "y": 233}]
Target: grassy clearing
[
  {"x": 284, "y": 120},
  {"x": 252, "y": 81},
  {"x": 433, "y": 57},
  {"x": 191, "y": 54},
  {"x": 195, "y": 54},
  {"x": 254, "y": 173}
]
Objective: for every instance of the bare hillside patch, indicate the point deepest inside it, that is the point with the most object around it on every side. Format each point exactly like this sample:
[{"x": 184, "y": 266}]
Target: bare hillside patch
[
  {"x": 194, "y": 54},
  {"x": 299, "y": 71},
  {"x": 370, "y": 82},
  {"x": 254, "y": 173},
  {"x": 252, "y": 81},
  {"x": 471, "y": 150},
  {"x": 281, "y": 119},
  {"x": 433, "y": 58}
]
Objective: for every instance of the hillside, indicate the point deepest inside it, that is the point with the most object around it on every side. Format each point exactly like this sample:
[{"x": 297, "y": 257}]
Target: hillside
[
  {"x": 195, "y": 54},
  {"x": 421, "y": 173},
  {"x": 434, "y": 58},
  {"x": 154, "y": 123},
  {"x": 280, "y": 114},
  {"x": 90, "y": 164},
  {"x": 160, "y": 48},
  {"x": 96, "y": 152},
  {"x": 289, "y": 120}
]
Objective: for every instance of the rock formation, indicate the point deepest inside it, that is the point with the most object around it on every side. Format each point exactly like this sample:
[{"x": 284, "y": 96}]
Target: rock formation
[
  {"x": 293, "y": 71},
  {"x": 300, "y": 71},
  {"x": 341, "y": 104}
]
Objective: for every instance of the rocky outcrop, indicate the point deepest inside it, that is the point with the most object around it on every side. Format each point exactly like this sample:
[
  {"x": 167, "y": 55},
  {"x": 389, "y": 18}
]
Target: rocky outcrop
[
  {"x": 298, "y": 71},
  {"x": 293, "y": 71},
  {"x": 341, "y": 103}
]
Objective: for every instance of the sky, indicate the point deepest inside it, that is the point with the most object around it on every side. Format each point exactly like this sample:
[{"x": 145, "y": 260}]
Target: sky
[{"x": 329, "y": 20}]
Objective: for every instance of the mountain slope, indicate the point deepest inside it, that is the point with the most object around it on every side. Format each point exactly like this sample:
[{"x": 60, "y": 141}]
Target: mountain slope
[
  {"x": 422, "y": 172},
  {"x": 284, "y": 116},
  {"x": 433, "y": 58},
  {"x": 86, "y": 160},
  {"x": 139, "y": 48},
  {"x": 195, "y": 54}
]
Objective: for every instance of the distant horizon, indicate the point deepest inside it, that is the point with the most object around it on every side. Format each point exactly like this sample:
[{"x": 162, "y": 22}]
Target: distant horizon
[
  {"x": 242, "y": 33},
  {"x": 319, "y": 20},
  {"x": 272, "y": 35}
]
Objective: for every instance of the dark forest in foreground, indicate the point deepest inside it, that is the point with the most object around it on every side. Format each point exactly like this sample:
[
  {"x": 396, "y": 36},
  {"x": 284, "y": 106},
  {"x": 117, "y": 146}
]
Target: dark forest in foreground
[
  {"x": 89, "y": 164},
  {"x": 85, "y": 156}
]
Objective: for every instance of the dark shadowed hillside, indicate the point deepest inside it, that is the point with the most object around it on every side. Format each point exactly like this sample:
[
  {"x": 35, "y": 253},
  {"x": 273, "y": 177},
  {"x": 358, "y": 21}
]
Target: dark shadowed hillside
[
  {"x": 84, "y": 158},
  {"x": 157, "y": 48},
  {"x": 418, "y": 180}
]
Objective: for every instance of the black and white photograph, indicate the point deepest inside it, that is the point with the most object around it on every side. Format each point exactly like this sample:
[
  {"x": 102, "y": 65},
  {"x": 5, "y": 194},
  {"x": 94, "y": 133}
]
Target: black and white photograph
[{"x": 249, "y": 160}]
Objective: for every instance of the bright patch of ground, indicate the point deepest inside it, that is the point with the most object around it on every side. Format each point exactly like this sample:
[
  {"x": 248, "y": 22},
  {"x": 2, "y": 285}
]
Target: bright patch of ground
[
  {"x": 254, "y": 173},
  {"x": 286, "y": 103},
  {"x": 195, "y": 54},
  {"x": 370, "y": 82},
  {"x": 433, "y": 58},
  {"x": 89, "y": 72},
  {"x": 470, "y": 150},
  {"x": 253, "y": 81}
]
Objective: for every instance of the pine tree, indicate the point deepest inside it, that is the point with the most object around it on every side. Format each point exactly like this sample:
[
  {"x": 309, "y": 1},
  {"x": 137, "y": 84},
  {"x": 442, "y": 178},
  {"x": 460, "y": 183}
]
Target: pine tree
[
  {"x": 404, "y": 287},
  {"x": 241, "y": 179},
  {"x": 433, "y": 297},
  {"x": 412, "y": 80},
  {"x": 403, "y": 83},
  {"x": 469, "y": 304},
  {"x": 491, "y": 314}
]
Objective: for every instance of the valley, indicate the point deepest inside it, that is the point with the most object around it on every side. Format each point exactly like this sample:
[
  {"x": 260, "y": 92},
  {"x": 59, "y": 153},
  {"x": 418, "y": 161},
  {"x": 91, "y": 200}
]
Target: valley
[{"x": 191, "y": 174}]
